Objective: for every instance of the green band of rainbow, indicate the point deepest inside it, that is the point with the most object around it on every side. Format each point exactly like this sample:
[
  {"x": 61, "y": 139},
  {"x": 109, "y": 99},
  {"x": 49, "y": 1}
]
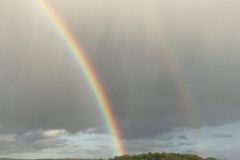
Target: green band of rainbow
[{"x": 88, "y": 73}]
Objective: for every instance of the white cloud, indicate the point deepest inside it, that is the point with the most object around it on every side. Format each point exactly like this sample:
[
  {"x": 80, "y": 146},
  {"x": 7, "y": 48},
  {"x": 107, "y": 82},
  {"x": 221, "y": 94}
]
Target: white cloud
[{"x": 54, "y": 133}]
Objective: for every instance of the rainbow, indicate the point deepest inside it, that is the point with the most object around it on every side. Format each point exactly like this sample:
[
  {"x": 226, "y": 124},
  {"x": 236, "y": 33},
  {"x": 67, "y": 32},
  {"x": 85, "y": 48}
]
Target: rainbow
[
  {"x": 170, "y": 61},
  {"x": 186, "y": 100},
  {"x": 86, "y": 68}
]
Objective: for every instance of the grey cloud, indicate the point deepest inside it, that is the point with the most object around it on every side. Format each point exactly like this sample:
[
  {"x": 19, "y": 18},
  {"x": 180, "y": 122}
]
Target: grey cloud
[
  {"x": 31, "y": 142},
  {"x": 34, "y": 136},
  {"x": 219, "y": 135},
  {"x": 182, "y": 137},
  {"x": 48, "y": 143},
  {"x": 8, "y": 143}
]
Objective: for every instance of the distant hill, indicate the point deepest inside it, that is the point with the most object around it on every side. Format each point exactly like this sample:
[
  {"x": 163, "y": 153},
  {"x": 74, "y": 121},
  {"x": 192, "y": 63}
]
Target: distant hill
[{"x": 144, "y": 156}]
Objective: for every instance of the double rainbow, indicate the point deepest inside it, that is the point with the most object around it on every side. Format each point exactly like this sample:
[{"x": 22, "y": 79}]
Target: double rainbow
[
  {"x": 165, "y": 53},
  {"x": 86, "y": 68}
]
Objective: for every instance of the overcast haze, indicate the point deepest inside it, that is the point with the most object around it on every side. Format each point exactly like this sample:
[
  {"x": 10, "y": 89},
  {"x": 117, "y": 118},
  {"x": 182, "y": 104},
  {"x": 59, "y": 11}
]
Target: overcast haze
[{"x": 148, "y": 55}]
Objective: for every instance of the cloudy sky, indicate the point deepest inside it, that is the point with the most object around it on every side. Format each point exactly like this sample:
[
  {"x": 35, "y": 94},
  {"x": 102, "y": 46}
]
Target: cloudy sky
[{"x": 169, "y": 69}]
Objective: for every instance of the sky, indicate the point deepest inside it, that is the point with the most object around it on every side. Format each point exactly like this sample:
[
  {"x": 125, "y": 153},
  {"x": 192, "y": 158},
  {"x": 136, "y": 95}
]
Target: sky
[{"x": 169, "y": 70}]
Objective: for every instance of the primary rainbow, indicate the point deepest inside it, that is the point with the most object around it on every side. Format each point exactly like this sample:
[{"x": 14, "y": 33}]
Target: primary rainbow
[{"x": 86, "y": 68}]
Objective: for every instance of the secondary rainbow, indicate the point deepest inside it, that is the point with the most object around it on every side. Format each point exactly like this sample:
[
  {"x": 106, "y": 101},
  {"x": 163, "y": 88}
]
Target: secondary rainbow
[
  {"x": 167, "y": 53},
  {"x": 88, "y": 73},
  {"x": 186, "y": 101}
]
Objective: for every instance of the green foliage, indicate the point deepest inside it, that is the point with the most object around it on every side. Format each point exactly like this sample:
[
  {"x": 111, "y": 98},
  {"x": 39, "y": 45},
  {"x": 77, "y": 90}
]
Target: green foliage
[
  {"x": 210, "y": 158},
  {"x": 160, "y": 156}
]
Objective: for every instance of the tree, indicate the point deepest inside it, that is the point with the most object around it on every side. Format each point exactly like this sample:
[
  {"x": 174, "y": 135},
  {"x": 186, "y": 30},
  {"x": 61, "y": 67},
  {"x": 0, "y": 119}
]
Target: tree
[{"x": 210, "y": 158}]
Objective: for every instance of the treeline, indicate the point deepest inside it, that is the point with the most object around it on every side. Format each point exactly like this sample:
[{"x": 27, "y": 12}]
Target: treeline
[{"x": 161, "y": 156}]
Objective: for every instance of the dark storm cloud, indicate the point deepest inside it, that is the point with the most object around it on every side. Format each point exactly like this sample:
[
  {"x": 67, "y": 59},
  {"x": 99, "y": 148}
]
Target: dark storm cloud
[
  {"x": 42, "y": 86},
  {"x": 182, "y": 137}
]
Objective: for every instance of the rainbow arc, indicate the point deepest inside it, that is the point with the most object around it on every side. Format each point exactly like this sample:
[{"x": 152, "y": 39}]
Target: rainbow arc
[{"x": 89, "y": 74}]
